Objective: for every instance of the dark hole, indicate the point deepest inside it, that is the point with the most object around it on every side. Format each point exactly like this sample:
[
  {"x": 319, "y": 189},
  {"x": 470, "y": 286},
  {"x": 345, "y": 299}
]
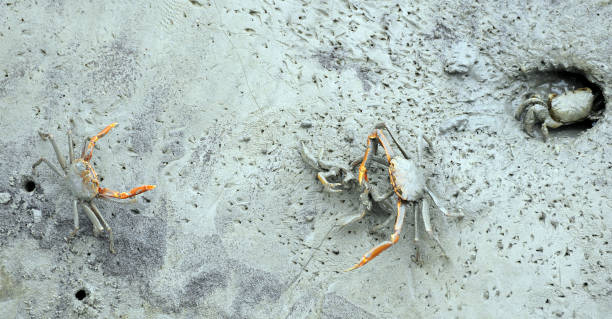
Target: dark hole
[
  {"x": 29, "y": 185},
  {"x": 135, "y": 211},
  {"x": 81, "y": 294}
]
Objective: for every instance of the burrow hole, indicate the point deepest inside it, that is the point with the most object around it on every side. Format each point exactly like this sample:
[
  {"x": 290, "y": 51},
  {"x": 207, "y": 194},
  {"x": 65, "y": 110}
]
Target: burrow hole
[
  {"x": 29, "y": 185},
  {"x": 81, "y": 294},
  {"x": 544, "y": 83}
]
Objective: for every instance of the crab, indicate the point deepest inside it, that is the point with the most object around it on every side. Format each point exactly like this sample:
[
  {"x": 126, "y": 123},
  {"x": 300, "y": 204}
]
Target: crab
[
  {"x": 406, "y": 178},
  {"x": 329, "y": 170},
  {"x": 83, "y": 182},
  {"x": 409, "y": 185},
  {"x": 337, "y": 177},
  {"x": 567, "y": 108}
]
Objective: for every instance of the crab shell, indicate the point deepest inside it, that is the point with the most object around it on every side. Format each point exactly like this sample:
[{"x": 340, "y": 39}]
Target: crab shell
[
  {"x": 571, "y": 106},
  {"x": 407, "y": 179},
  {"x": 83, "y": 180}
]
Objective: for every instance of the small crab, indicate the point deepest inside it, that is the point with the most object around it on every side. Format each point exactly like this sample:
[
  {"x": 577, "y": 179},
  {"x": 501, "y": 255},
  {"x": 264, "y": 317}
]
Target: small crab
[
  {"x": 328, "y": 170},
  {"x": 567, "y": 108},
  {"x": 83, "y": 182},
  {"x": 337, "y": 177}
]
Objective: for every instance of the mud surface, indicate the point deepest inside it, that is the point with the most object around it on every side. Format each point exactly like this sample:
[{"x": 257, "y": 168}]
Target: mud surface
[{"x": 213, "y": 99}]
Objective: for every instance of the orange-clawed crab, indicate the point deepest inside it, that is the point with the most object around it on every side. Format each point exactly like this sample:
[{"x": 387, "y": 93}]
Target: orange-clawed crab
[
  {"x": 409, "y": 184},
  {"x": 83, "y": 182}
]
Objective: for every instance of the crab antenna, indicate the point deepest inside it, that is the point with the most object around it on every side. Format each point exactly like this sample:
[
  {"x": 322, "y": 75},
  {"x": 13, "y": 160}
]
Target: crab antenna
[{"x": 384, "y": 125}]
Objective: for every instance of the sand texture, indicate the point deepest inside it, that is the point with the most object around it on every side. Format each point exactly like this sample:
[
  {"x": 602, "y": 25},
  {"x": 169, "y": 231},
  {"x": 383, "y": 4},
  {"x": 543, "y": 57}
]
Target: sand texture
[{"x": 213, "y": 100}]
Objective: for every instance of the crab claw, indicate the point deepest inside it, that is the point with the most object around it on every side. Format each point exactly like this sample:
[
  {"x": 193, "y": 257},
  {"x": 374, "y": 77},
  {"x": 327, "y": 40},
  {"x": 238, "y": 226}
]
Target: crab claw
[
  {"x": 327, "y": 186},
  {"x": 363, "y": 175},
  {"x": 308, "y": 157},
  {"x": 534, "y": 99},
  {"x": 107, "y": 193},
  {"x": 328, "y": 170}
]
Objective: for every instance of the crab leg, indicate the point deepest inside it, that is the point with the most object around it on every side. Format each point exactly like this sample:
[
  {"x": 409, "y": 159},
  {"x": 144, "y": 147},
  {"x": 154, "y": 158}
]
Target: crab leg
[
  {"x": 70, "y": 148},
  {"x": 84, "y": 147},
  {"x": 384, "y": 125},
  {"x": 427, "y": 223},
  {"x": 401, "y": 211},
  {"x": 375, "y": 159},
  {"x": 549, "y": 122},
  {"x": 436, "y": 201},
  {"x": 309, "y": 158},
  {"x": 422, "y": 143},
  {"x": 328, "y": 186},
  {"x": 327, "y": 170},
  {"x": 75, "y": 213},
  {"x": 106, "y": 226},
  {"x": 533, "y": 100},
  {"x": 528, "y": 121},
  {"x": 353, "y": 218},
  {"x": 415, "y": 210},
  {"x": 58, "y": 154},
  {"x": 51, "y": 166},
  {"x": 105, "y": 192},
  {"x": 92, "y": 142},
  {"x": 97, "y": 228},
  {"x": 376, "y": 137},
  {"x": 383, "y": 224},
  {"x": 365, "y": 203}
]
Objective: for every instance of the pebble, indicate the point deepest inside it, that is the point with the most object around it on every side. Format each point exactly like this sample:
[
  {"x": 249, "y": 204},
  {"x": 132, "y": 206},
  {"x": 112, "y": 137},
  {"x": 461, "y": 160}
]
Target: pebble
[
  {"x": 37, "y": 214},
  {"x": 306, "y": 124},
  {"x": 5, "y": 198}
]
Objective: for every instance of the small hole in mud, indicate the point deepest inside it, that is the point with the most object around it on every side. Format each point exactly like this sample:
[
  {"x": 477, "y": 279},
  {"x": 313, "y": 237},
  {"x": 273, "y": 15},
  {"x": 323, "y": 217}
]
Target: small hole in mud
[
  {"x": 81, "y": 294},
  {"x": 29, "y": 185},
  {"x": 135, "y": 211},
  {"x": 559, "y": 82}
]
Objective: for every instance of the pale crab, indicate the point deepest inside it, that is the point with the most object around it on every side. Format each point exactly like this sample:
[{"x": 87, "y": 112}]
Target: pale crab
[
  {"x": 406, "y": 178},
  {"x": 567, "y": 108},
  {"x": 336, "y": 177},
  {"x": 83, "y": 182}
]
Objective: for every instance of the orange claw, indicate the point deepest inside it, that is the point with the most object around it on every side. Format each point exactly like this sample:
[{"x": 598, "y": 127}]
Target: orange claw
[
  {"x": 397, "y": 228},
  {"x": 105, "y": 192},
  {"x": 371, "y": 254},
  {"x": 362, "y": 169},
  {"x": 377, "y": 137},
  {"x": 88, "y": 152}
]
